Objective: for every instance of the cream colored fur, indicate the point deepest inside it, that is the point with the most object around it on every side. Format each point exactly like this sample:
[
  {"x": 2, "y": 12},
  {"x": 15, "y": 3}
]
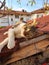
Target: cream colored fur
[
  {"x": 19, "y": 30},
  {"x": 11, "y": 39},
  {"x": 12, "y": 33}
]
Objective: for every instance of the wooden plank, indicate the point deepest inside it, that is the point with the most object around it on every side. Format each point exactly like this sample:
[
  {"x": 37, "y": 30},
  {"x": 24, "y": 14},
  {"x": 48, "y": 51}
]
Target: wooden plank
[
  {"x": 28, "y": 51},
  {"x": 34, "y": 40}
]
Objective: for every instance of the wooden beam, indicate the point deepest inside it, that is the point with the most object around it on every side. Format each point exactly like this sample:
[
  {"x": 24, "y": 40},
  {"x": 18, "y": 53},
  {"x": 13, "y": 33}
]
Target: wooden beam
[
  {"x": 28, "y": 51},
  {"x": 34, "y": 40}
]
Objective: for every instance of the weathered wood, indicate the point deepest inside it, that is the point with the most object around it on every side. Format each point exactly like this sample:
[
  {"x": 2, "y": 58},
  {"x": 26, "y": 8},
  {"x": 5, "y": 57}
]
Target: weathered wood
[
  {"x": 28, "y": 51},
  {"x": 34, "y": 40}
]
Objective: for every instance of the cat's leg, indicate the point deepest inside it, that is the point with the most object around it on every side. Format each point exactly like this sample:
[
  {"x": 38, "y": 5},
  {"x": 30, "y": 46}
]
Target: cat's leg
[{"x": 11, "y": 39}]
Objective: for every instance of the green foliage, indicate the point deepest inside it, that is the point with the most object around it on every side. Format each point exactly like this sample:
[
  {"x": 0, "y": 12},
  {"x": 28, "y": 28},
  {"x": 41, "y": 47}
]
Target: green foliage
[
  {"x": 19, "y": 2},
  {"x": 9, "y": 9},
  {"x": 2, "y": 26},
  {"x": 30, "y": 2}
]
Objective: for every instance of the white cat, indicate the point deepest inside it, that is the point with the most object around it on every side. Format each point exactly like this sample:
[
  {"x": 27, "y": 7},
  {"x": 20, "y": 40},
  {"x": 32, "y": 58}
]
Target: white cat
[{"x": 17, "y": 32}]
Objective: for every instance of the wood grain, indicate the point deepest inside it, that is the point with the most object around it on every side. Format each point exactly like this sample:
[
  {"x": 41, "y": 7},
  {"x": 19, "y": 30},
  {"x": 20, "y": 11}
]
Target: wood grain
[
  {"x": 34, "y": 40},
  {"x": 28, "y": 51}
]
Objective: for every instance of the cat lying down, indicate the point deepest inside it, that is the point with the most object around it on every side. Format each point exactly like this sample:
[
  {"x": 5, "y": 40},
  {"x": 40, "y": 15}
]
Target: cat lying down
[{"x": 17, "y": 32}]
